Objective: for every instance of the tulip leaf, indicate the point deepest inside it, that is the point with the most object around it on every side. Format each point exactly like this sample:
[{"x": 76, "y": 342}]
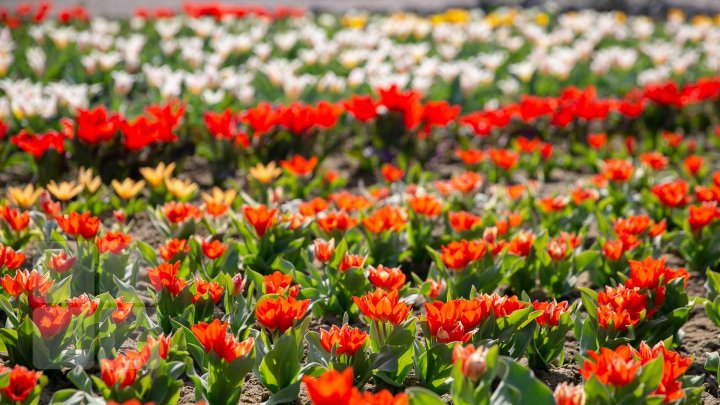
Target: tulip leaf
[{"x": 422, "y": 396}]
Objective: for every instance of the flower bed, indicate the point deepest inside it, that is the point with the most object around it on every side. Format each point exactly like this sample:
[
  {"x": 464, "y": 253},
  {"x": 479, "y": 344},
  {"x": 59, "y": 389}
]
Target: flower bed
[{"x": 234, "y": 204}]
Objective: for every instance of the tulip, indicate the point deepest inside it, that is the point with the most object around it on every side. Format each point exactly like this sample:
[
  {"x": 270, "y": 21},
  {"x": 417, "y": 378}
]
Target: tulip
[
  {"x": 76, "y": 225},
  {"x": 24, "y": 197},
  {"x": 21, "y": 383},
  {"x": 114, "y": 242},
  {"x": 157, "y": 175},
  {"x": 323, "y": 250},
  {"x": 280, "y": 313},
  {"x": 614, "y": 367},
  {"x": 347, "y": 340},
  {"x": 387, "y": 278},
  {"x": 381, "y": 306},
  {"x": 473, "y": 361},
  {"x": 260, "y": 218},
  {"x": 165, "y": 275},
  {"x": 65, "y": 190},
  {"x": 128, "y": 189},
  {"x": 265, "y": 174}
]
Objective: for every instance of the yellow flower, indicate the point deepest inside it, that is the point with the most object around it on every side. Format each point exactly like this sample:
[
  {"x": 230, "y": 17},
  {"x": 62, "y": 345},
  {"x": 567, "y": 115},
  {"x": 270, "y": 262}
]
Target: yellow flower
[
  {"x": 265, "y": 174},
  {"x": 457, "y": 16},
  {"x": 24, "y": 197},
  {"x": 701, "y": 20},
  {"x": 128, "y": 188},
  {"x": 355, "y": 21},
  {"x": 86, "y": 179},
  {"x": 64, "y": 191},
  {"x": 219, "y": 196},
  {"x": 620, "y": 17},
  {"x": 180, "y": 188},
  {"x": 676, "y": 15},
  {"x": 542, "y": 19},
  {"x": 156, "y": 176}
]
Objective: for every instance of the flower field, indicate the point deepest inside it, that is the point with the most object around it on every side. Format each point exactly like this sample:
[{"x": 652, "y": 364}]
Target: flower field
[{"x": 230, "y": 204}]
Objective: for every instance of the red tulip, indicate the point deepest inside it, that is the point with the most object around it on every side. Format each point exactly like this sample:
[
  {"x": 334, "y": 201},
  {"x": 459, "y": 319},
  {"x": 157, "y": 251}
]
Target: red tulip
[
  {"x": 280, "y": 313},
  {"x": 21, "y": 382},
  {"x": 76, "y": 225}
]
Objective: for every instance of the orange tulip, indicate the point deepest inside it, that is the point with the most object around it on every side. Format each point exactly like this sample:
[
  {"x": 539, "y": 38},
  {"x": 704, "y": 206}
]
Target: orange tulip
[
  {"x": 165, "y": 275},
  {"x": 337, "y": 220},
  {"x": 551, "y": 312},
  {"x": 331, "y": 388},
  {"x": 26, "y": 282},
  {"x": 457, "y": 255},
  {"x": 15, "y": 218},
  {"x": 61, "y": 262},
  {"x": 202, "y": 287},
  {"x": 177, "y": 212},
  {"x": 426, "y": 206},
  {"x": 351, "y": 261},
  {"x": 78, "y": 305},
  {"x": 614, "y": 367},
  {"x": 214, "y": 249},
  {"x": 173, "y": 248},
  {"x": 280, "y": 313},
  {"x": 463, "y": 221},
  {"x": 214, "y": 337},
  {"x": 392, "y": 173},
  {"x": 10, "y": 259},
  {"x": 278, "y": 283},
  {"x": 617, "y": 170},
  {"x": 300, "y": 166},
  {"x": 387, "y": 278},
  {"x": 701, "y": 215},
  {"x": 75, "y": 224},
  {"x": 381, "y": 306},
  {"x": 114, "y": 242},
  {"x": 21, "y": 382},
  {"x": 260, "y": 218},
  {"x": 347, "y": 340},
  {"x": 569, "y": 394},
  {"x": 51, "y": 320},
  {"x": 473, "y": 361},
  {"x": 323, "y": 250}
]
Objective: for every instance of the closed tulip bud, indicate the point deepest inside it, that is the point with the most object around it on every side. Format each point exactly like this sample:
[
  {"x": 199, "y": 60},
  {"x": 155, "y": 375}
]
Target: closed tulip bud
[
  {"x": 473, "y": 361},
  {"x": 323, "y": 250}
]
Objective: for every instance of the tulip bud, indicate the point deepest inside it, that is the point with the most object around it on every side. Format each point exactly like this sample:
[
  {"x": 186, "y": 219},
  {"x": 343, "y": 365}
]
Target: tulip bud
[
  {"x": 473, "y": 362},
  {"x": 238, "y": 284},
  {"x": 569, "y": 394},
  {"x": 120, "y": 216},
  {"x": 476, "y": 364},
  {"x": 323, "y": 250},
  {"x": 49, "y": 207}
]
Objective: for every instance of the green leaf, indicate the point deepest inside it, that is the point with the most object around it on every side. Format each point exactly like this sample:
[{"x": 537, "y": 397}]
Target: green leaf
[
  {"x": 280, "y": 366},
  {"x": 519, "y": 386},
  {"x": 81, "y": 380},
  {"x": 421, "y": 396}
]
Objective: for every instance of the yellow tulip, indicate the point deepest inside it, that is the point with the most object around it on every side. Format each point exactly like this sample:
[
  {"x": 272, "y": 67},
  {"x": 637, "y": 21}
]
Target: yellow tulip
[
  {"x": 542, "y": 19},
  {"x": 155, "y": 176},
  {"x": 24, "y": 197},
  {"x": 356, "y": 21},
  {"x": 265, "y": 174},
  {"x": 180, "y": 188},
  {"x": 65, "y": 190},
  {"x": 128, "y": 188},
  {"x": 457, "y": 16},
  {"x": 86, "y": 179},
  {"x": 219, "y": 196}
]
